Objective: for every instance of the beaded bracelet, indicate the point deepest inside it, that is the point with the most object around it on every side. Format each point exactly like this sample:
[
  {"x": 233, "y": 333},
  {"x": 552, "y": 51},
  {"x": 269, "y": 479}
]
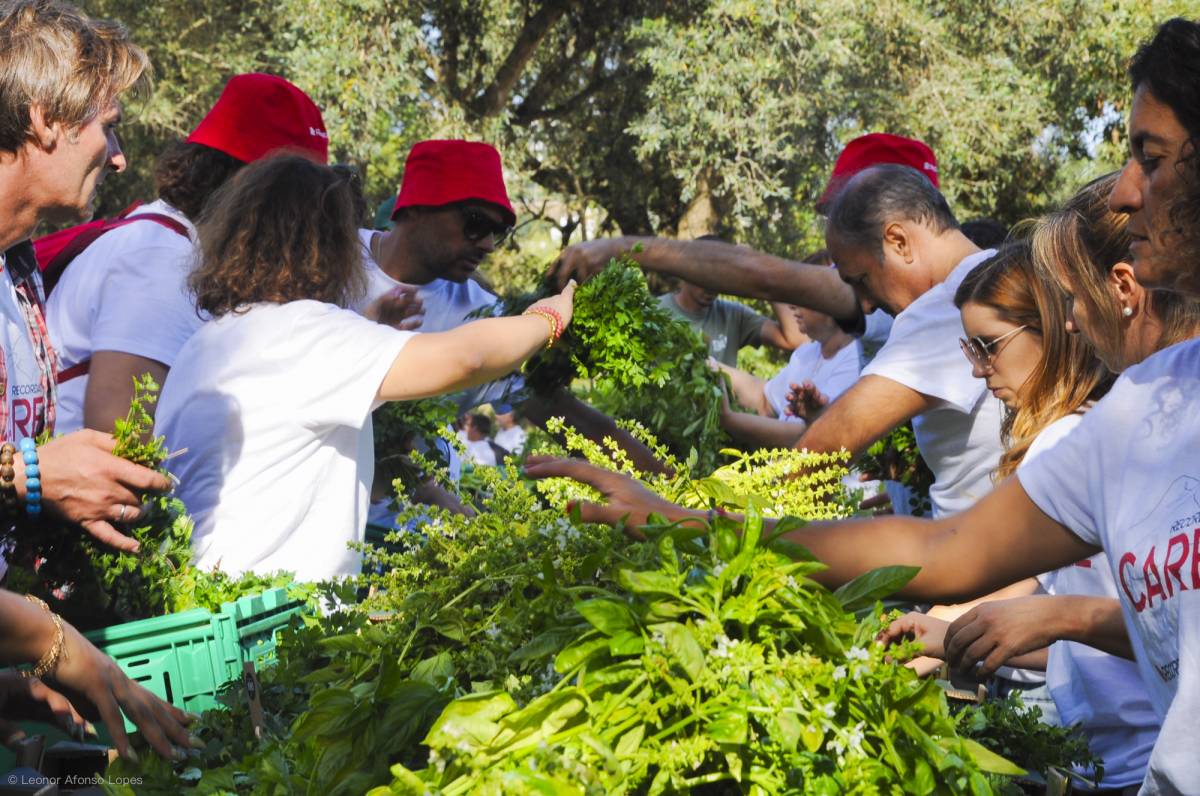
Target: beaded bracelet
[
  {"x": 8, "y": 483},
  {"x": 58, "y": 649},
  {"x": 553, "y": 318},
  {"x": 33, "y": 477}
]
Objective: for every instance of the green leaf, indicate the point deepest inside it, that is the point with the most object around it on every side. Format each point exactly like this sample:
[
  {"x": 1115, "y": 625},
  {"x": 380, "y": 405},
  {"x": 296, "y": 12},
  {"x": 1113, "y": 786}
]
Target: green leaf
[
  {"x": 626, "y": 643},
  {"x": 683, "y": 647},
  {"x": 577, "y": 653},
  {"x": 651, "y": 582},
  {"x": 474, "y": 716},
  {"x": 435, "y": 671},
  {"x": 730, "y": 727},
  {"x": 874, "y": 585},
  {"x": 630, "y": 741},
  {"x": 608, "y": 616},
  {"x": 988, "y": 760}
]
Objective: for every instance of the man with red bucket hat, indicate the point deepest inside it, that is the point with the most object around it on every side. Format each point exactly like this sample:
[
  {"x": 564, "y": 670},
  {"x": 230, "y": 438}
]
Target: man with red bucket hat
[
  {"x": 452, "y": 211},
  {"x": 123, "y": 308}
]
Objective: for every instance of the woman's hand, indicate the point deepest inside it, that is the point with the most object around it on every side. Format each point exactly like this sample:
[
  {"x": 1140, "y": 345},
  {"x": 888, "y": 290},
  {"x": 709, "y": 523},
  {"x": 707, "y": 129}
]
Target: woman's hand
[
  {"x": 563, "y": 303},
  {"x": 29, "y": 699},
  {"x": 97, "y": 686},
  {"x": 993, "y": 632},
  {"x": 930, "y": 632},
  {"x": 626, "y": 501}
]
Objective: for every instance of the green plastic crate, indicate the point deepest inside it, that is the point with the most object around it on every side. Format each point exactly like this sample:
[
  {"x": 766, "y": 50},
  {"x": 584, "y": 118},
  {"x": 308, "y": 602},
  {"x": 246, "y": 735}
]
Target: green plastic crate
[{"x": 186, "y": 658}]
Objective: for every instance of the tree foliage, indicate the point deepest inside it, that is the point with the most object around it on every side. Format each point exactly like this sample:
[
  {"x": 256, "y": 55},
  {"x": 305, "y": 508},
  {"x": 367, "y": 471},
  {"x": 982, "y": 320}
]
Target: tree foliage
[{"x": 672, "y": 117}]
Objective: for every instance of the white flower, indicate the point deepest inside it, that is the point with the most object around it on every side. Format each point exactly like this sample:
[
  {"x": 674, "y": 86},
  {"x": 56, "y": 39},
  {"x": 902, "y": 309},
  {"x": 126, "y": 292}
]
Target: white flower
[
  {"x": 858, "y": 653},
  {"x": 829, "y": 709},
  {"x": 839, "y": 673},
  {"x": 492, "y": 632},
  {"x": 725, "y": 646}
]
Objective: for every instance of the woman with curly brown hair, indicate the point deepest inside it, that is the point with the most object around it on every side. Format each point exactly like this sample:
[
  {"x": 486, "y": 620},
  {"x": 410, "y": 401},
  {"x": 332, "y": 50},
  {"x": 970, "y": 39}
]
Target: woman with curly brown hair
[
  {"x": 273, "y": 397},
  {"x": 122, "y": 308}
]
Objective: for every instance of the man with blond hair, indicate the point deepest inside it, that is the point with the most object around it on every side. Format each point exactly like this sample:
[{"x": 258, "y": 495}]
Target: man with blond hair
[{"x": 63, "y": 78}]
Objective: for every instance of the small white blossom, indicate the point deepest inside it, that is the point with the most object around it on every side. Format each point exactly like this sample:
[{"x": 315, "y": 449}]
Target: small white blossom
[{"x": 839, "y": 673}]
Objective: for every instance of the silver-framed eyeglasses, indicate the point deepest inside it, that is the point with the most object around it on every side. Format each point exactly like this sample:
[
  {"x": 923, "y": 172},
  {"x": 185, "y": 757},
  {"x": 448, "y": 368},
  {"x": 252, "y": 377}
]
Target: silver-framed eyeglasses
[{"x": 983, "y": 352}]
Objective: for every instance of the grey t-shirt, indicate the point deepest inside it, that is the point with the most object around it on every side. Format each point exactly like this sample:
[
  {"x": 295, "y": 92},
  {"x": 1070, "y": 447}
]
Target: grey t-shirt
[{"x": 726, "y": 326}]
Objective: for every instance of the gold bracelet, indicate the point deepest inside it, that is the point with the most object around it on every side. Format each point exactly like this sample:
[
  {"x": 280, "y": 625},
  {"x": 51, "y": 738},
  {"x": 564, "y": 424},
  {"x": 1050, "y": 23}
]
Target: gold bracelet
[
  {"x": 548, "y": 318},
  {"x": 58, "y": 649}
]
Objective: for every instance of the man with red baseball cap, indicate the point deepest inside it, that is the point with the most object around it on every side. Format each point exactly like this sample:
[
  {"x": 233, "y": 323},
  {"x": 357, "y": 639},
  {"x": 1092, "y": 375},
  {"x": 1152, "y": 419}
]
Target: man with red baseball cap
[
  {"x": 452, "y": 211},
  {"x": 123, "y": 308}
]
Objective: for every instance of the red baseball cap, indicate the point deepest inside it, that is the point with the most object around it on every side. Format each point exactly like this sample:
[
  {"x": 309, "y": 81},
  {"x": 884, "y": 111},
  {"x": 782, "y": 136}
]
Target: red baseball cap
[
  {"x": 877, "y": 148},
  {"x": 440, "y": 173},
  {"x": 257, "y": 114}
]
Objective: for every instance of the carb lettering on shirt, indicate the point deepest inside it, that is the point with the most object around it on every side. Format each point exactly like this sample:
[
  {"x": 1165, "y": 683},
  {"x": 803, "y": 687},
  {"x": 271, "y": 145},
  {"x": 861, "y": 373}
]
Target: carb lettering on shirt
[{"x": 1162, "y": 565}]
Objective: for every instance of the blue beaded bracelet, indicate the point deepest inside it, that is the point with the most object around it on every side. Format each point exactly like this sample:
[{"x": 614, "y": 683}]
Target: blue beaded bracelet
[{"x": 33, "y": 477}]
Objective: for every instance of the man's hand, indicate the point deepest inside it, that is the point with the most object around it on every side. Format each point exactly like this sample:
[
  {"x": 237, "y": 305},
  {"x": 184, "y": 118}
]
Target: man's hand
[
  {"x": 584, "y": 260},
  {"x": 626, "y": 500},
  {"x": 400, "y": 307},
  {"x": 84, "y": 483},
  {"x": 994, "y": 632}
]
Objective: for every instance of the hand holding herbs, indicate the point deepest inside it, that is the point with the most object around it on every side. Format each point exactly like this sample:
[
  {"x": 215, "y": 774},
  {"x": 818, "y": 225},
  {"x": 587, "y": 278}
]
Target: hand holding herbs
[{"x": 637, "y": 362}]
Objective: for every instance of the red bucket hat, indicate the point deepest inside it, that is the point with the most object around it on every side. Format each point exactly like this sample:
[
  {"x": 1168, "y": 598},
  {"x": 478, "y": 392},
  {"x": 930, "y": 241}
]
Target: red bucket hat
[
  {"x": 439, "y": 173},
  {"x": 875, "y": 149},
  {"x": 257, "y": 114}
]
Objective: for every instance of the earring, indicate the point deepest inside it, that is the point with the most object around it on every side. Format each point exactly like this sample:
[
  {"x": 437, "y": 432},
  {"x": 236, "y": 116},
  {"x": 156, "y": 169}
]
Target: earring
[{"x": 1127, "y": 311}]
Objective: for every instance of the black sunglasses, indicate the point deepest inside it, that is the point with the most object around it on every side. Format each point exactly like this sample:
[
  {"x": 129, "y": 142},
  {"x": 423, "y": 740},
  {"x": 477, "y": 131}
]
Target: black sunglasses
[{"x": 477, "y": 225}]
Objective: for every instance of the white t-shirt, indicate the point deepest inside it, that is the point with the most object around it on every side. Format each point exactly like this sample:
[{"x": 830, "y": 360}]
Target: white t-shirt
[
  {"x": 447, "y": 305},
  {"x": 832, "y": 376},
  {"x": 478, "y": 450},
  {"x": 126, "y": 292},
  {"x": 876, "y": 330},
  {"x": 960, "y": 438},
  {"x": 26, "y": 399},
  {"x": 274, "y": 408},
  {"x": 1128, "y": 480},
  {"x": 511, "y": 439},
  {"x": 1103, "y": 692}
]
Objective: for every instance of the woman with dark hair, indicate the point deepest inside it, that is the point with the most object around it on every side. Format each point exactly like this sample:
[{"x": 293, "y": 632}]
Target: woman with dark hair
[
  {"x": 1126, "y": 482},
  {"x": 122, "y": 308},
  {"x": 272, "y": 398},
  {"x": 1164, "y": 141}
]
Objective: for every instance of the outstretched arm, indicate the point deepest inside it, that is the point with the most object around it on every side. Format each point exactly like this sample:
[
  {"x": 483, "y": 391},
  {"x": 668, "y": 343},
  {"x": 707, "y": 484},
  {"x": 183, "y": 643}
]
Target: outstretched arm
[
  {"x": 471, "y": 354},
  {"x": 1001, "y": 539},
  {"x": 722, "y": 267}
]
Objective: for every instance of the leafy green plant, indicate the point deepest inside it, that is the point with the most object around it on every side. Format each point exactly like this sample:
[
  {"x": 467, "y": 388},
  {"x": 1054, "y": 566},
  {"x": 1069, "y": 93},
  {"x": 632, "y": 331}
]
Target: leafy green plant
[
  {"x": 726, "y": 669},
  {"x": 896, "y": 457},
  {"x": 636, "y": 361},
  {"x": 1010, "y": 728}
]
